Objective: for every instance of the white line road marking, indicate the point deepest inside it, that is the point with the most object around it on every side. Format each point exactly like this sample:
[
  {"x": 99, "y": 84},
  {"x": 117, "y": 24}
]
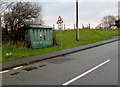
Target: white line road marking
[
  {"x": 17, "y": 67},
  {"x": 83, "y": 74},
  {"x": 9, "y": 70},
  {"x": 4, "y": 71}
]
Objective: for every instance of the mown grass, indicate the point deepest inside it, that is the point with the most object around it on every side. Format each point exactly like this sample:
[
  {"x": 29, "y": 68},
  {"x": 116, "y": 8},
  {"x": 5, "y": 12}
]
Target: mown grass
[{"x": 87, "y": 36}]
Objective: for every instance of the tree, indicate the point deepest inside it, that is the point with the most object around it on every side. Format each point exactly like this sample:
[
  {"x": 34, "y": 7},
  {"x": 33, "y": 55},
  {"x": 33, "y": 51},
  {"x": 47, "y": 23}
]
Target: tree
[
  {"x": 3, "y": 7},
  {"x": 108, "y": 21},
  {"x": 20, "y": 15}
]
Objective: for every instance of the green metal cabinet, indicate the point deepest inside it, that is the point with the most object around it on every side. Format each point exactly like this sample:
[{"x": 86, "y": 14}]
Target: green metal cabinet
[{"x": 38, "y": 36}]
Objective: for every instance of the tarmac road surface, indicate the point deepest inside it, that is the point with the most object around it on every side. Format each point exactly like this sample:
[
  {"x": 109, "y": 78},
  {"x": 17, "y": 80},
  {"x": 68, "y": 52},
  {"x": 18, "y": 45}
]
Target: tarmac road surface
[{"x": 95, "y": 66}]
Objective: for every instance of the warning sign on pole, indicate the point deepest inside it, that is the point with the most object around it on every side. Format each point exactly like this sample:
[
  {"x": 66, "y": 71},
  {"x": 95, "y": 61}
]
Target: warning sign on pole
[{"x": 59, "y": 20}]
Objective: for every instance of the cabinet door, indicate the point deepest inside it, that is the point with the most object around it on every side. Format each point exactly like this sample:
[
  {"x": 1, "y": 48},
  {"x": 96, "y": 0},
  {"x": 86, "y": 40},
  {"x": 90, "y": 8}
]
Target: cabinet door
[
  {"x": 31, "y": 38},
  {"x": 40, "y": 38}
]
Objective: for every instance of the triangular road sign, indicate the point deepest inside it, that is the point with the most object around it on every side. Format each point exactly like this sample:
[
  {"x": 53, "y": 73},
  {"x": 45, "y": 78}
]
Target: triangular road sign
[{"x": 59, "y": 20}]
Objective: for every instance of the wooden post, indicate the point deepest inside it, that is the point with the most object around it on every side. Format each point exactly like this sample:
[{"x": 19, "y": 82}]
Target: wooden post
[
  {"x": 53, "y": 27},
  {"x": 64, "y": 26},
  {"x": 82, "y": 26},
  {"x": 74, "y": 26},
  {"x": 89, "y": 26}
]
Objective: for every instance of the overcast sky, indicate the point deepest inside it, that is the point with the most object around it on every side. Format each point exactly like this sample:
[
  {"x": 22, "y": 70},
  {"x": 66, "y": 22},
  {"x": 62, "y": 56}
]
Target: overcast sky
[{"x": 90, "y": 11}]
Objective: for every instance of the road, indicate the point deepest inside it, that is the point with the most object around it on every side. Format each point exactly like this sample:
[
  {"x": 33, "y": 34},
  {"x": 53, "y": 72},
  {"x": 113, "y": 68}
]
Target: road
[{"x": 95, "y": 66}]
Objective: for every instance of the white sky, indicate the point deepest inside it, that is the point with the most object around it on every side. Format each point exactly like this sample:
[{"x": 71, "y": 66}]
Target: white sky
[{"x": 90, "y": 11}]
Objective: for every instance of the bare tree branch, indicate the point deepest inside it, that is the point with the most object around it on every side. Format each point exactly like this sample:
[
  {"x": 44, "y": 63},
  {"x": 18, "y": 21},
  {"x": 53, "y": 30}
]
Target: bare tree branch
[
  {"x": 108, "y": 21},
  {"x": 22, "y": 14}
]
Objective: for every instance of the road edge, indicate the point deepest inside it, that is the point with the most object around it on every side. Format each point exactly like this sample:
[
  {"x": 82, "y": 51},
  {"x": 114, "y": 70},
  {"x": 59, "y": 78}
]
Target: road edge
[{"x": 33, "y": 59}]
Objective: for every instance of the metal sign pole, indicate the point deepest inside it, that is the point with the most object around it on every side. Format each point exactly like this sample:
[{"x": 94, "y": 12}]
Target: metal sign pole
[
  {"x": 60, "y": 27},
  {"x": 61, "y": 36}
]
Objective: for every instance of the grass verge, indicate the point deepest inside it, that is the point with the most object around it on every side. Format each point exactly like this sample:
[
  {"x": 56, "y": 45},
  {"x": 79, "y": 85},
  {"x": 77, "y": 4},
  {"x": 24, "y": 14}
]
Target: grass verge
[{"x": 87, "y": 36}]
